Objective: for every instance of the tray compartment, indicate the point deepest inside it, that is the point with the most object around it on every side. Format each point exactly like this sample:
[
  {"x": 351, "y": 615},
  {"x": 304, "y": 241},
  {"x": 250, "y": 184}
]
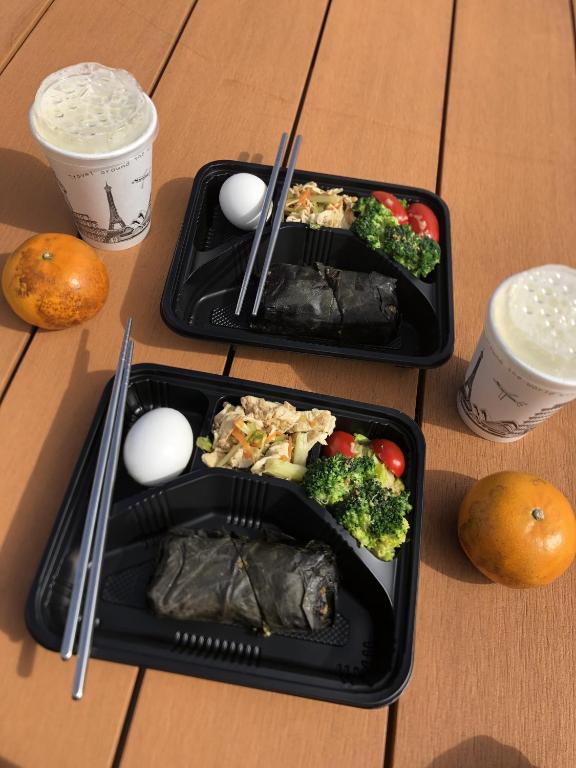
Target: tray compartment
[
  {"x": 203, "y": 281},
  {"x": 212, "y": 228},
  {"x": 209, "y": 296},
  {"x": 147, "y": 394},
  {"x": 364, "y": 659},
  {"x": 247, "y": 505}
]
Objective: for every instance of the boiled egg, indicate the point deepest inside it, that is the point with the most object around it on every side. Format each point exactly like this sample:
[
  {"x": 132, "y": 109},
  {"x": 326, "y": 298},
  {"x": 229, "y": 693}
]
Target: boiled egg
[
  {"x": 241, "y": 199},
  {"x": 158, "y": 446}
]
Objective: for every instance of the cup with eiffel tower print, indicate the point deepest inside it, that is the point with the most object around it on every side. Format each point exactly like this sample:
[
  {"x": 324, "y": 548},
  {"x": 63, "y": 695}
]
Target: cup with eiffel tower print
[{"x": 97, "y": 127}]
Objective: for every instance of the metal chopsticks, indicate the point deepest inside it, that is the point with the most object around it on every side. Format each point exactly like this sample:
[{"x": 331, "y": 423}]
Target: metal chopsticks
[
  {"x": 261, "y": 222},
  {"x": 96, "y": 521},
  {"x": 276, "y": 224}
]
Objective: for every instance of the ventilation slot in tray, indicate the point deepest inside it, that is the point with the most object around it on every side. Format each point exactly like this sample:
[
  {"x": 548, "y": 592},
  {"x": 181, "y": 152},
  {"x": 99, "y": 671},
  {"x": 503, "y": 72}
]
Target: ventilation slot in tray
[
  {"x": 249, "y": 499},
  {"x": 152, "y": 515},
  {"x": 185, "y": 642}
]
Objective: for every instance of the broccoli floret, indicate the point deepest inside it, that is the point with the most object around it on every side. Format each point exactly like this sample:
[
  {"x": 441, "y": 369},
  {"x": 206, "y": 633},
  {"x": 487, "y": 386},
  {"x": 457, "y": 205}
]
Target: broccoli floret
[
  {"x": 377, "y": 226},
  {"x": 372, "y": 219},
  {"x": 361, "y": 468},
  {"x": 375, "y": 516},
  {"x": 419, "y": 254},
  {"x": 328, "y": 480},
  {"x": 365, "y": 498}
]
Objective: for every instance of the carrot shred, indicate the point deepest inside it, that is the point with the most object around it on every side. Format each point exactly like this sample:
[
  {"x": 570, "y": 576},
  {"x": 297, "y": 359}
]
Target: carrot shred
[{"x": 247, "y": 448}]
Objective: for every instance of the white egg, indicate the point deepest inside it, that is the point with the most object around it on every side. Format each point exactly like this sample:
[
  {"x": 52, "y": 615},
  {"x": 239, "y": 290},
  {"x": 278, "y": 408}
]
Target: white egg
[
  {"x": 241, "y": 199},
  {"x": 158, "y": 446}
]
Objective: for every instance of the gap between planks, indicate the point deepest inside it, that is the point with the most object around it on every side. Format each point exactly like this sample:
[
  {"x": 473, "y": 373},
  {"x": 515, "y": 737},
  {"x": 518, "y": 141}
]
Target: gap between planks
[
  {"x": 395, "y": 709},
  {"x": 25, "y": 34}
]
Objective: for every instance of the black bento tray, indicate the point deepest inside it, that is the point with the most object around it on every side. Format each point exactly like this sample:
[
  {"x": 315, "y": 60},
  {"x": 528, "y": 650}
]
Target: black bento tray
[
  {"x": 364, "y": 659},
  {"x": 204, "y": 279}
]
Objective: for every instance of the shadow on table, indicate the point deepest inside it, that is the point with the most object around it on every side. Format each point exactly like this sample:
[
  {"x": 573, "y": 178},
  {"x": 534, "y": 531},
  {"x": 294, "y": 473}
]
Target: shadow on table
[
  {"x": 482, "y": 752},
  {"x": 8, "y": 763},
  {"x": 34, "y": 202},
  {"x": 441, "y": 388},
  {"x": 27, "y": 536},
  {"x": 154, "y": 259},
  {"x": 246, "y": 157},
  {"x": 441, "y": 549}
]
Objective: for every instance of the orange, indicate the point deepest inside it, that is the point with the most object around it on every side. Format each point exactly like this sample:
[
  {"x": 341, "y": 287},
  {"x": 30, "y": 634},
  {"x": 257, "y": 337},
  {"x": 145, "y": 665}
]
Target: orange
[
  {"x": 55, "y": 281},
  {"x": 517, "y": 529}
]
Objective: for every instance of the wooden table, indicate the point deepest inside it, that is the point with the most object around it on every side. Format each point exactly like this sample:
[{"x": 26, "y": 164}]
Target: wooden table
[{"x": 472, "y": 98}]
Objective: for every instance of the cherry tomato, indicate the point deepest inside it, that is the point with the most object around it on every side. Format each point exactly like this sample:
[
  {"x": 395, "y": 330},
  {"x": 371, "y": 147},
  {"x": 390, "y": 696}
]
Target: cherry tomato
[
  {"x": 390, "y": 455},
  {"x": 423, "y": 221},
  {"x": 393, "y": 204},
  {"x": 340, "y": 442}
]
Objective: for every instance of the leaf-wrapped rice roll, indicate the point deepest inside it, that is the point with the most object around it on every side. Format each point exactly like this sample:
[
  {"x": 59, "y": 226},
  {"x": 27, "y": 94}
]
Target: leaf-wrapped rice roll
[
  {"x": 298, "y": 299},
  {"x": 325, "y": 302},
  {"x": 265, "y": 585}
]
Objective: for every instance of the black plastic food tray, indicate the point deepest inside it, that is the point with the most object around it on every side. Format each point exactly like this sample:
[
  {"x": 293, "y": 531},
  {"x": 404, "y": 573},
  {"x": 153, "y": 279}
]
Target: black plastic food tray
[
  {"x": 204, "y": 279},
  {"x": 364, "y": 659}
]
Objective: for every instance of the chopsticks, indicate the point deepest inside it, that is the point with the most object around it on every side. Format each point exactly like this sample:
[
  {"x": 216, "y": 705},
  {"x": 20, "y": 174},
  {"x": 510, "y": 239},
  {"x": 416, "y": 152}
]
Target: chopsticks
[
  {"x": 261, "y": 222},
  {"x": 96, "y": 522},
  {"x": 276, "y": 222}
]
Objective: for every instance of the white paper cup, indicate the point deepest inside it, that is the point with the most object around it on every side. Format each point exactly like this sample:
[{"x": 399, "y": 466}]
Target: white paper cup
[
  {"x": 108, "y": 193},
  {"x": 502, "y": 398}
]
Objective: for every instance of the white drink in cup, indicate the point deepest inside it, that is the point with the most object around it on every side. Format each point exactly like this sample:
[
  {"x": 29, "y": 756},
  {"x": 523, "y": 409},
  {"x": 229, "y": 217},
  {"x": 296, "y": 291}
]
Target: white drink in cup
[
  {"x": 524, "y": 366},
  {"x": 97, "y": 126}
]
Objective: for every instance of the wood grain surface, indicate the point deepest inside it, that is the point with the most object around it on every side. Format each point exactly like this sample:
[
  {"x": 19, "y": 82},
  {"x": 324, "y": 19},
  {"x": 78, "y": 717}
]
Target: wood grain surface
[
  {"x": 187, "y": 723},
  {"x": 71, "y": 31},
  {"x": 50, "y": 403},
  {"x": 46, "y": 413},
  {"x": 374, "y": 105},
  {"x": 494, "y": 682},
  {"x": 17, "y": 19},
  {"x": 293, "y": 732}
]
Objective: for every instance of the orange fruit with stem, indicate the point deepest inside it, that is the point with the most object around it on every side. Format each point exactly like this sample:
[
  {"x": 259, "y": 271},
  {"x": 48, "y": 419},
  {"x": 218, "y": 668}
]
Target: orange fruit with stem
[
  {"x": 517, "y": 529},
  {"x": 55, "y": 281}
]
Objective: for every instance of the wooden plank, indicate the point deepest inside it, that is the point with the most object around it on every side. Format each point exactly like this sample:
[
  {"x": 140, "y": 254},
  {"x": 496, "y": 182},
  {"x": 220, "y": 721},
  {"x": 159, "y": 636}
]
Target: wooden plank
[
  {"x": 71, "y": 31},
  {"x": 364, "y": 117},
  {"x": 356, "y": 123},
  {"x": 374, "y": 106},
  {"x": 244, "y": 728},
  {"x": 494, "y": 678},
  {"x": 51, "y": 400},
  {"x": 290, "y": 732},
  {"x": 47, "y": 410},
  {"x": 17, "y": 19},
  {"x": 302, "y": 733},
  {"x": 354, "y": 379}
]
